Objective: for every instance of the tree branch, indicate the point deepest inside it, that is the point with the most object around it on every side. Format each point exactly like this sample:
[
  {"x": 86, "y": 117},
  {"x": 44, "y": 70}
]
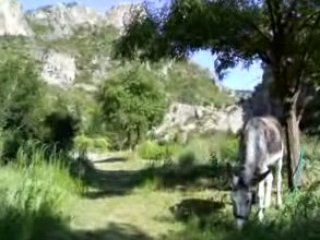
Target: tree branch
[
  {"x": 307, "y": 19},
  {"x": 271, "y": 16},
  {"x": 305, "y": 54},
  {"x": 288, "y": 18},
  {"x": 260, "y": 32}
]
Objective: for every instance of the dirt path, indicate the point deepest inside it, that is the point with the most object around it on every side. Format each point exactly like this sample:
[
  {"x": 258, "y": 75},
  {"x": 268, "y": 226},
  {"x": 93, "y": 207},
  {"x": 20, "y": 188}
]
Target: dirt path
[{"x": 122, "y": 204}]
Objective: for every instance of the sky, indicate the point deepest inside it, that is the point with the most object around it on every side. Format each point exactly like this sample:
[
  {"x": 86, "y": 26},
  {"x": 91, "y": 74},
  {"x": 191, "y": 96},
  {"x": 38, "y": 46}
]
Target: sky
[{"x": 237, "y": 78}]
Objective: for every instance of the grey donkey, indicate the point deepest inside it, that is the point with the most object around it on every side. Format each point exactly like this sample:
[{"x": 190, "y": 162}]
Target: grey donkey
[{"x": 261, "y": 148}]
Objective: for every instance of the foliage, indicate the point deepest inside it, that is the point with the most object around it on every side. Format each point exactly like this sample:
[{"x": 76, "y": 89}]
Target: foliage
[
  {"x": 20, "y": 95},
  {"x": 62, "y": 128},
  {"x": 132, "y": 103},
  {"x": 219, "y": 146},
  {"x": 234, "y": 30},
  {"x": 100, "y": 144},
  {"x": 281, "y": 34},
  {"x": 151, "y": 150}
]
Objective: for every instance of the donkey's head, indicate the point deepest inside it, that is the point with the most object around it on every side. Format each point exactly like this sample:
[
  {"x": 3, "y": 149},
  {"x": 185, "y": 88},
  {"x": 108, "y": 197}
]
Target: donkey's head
[{"x": 243, "y": 197}]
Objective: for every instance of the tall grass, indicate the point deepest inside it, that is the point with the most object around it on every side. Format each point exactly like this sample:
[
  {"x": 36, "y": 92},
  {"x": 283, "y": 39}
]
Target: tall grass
[{"x": 35, "y": 195}]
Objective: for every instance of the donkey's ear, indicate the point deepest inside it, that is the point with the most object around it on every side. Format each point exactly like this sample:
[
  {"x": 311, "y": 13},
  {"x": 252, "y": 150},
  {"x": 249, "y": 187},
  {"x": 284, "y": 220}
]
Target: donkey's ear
[
  {"x": 258, "y": 178},
  {"x": 235, "y": 180}
]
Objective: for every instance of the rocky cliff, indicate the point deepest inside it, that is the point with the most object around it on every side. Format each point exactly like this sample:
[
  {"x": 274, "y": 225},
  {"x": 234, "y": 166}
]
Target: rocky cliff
[
  {"x": 63, "y": 20},
  {"x": 12, "y": 19}
]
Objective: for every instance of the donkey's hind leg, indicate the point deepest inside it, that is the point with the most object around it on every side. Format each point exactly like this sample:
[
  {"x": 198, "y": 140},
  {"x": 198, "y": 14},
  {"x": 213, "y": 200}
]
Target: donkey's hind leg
[
  {"x": 261, "y": 195},
  {"x": 279, "y": 182},
  {"x": 269, "y": 180}
]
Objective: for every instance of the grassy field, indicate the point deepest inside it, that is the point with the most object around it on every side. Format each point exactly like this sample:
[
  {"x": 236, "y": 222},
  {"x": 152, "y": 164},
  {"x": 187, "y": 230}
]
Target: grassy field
[
  {"x": 130, "y": 200},
  {"x": 124, "y": 197}
]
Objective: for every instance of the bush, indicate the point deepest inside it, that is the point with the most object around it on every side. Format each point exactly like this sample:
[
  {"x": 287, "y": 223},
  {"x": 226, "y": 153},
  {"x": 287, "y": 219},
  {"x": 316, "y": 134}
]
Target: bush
[
  {"x": 132, "y": 103},
  {"x": 62, "y": 128},
  {"x": 200, "y": 148},
  {"x": 21, "y": 94},
  {"x": 99, "y": 144},
  {"x": 228, "y": 148},
  {"x": 151, "y": 150}
]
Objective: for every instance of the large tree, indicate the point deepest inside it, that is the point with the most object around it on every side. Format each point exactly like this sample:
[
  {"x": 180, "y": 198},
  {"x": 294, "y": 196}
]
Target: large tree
[{"x": 283, "y": 34}]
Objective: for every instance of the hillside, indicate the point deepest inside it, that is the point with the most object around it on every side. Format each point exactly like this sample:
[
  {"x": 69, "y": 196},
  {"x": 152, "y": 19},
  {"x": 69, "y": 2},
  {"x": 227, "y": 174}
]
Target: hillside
[{"x": 73, "y": 45}]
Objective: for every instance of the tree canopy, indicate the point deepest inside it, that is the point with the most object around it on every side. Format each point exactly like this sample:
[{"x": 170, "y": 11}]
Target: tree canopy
[{"x": 283, "y": 34}]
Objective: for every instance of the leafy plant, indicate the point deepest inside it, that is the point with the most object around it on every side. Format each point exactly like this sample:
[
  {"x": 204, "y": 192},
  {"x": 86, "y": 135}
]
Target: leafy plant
[
  {"x": 132, "y": 103},
  {"x": 151, "y": 150}
]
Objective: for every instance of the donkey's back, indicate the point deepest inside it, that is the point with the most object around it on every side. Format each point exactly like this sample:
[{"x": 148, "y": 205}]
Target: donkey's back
[{"x": 261, "y": 141}]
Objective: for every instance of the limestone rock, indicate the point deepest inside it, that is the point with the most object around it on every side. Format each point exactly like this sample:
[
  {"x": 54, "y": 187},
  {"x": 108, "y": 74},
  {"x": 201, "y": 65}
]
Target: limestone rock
[
  {"x": 64, "y": 19},
  {"x": 185, "y": 119},
  {"x": 58, "y": 69},
  {"x": 12, "y": 20},
  {"x": 120, "y": 15}
]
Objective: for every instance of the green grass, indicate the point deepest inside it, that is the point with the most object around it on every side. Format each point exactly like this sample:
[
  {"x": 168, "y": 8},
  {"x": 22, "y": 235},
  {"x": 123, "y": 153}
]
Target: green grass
[
  {"x": 299, "y": 219},
  {"x": 35, "y": 198},
  {"x": 185, "y": 198}
]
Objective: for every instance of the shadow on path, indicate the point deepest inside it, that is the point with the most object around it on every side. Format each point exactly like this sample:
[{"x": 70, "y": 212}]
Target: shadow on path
[
  {"x": 170, "y": 176},
  {"x": 114, "y": 231}
]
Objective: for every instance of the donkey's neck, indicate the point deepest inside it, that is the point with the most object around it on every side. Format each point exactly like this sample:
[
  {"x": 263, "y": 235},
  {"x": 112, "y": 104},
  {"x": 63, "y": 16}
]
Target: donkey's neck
[{"x": 247, "y": 175}]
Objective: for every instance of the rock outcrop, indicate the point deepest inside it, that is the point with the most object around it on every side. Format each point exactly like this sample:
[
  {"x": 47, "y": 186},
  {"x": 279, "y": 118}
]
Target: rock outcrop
[
  {"x": 12, "y": 19},
  {"x": 184, "y": 119},
  {"x": 63, "y": 20},
  {"x": 120, "y": 15},
  {"x": 58, "y": 69}
]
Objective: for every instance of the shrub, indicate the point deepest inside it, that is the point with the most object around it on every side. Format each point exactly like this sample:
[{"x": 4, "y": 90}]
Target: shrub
[
  {"x": 132, "y": 103},
  {"x": 99, "y": 144},
  {"x": 21, "y": 93},
  {"x": 228, "y": 148},
  {"x": 151, "y": 150},
  {"x": 203, "y": 149},
  {"x": 62, "y": 128},
  {"x": 200, "y": 148}
]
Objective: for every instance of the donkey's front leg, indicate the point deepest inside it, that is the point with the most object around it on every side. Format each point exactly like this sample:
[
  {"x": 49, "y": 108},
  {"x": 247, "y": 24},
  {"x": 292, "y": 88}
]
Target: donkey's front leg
[{"x": 261, "y": 195}]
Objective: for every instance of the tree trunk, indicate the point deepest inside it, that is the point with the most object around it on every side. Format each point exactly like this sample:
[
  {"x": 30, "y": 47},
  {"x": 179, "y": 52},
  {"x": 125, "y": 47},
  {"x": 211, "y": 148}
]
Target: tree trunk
[{"x": 293, "y": 144}]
